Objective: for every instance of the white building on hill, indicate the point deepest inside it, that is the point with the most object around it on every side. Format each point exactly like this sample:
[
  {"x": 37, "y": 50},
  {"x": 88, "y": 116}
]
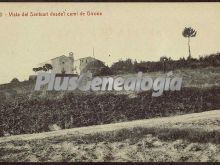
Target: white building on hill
[{"x": 67, "y": 64}]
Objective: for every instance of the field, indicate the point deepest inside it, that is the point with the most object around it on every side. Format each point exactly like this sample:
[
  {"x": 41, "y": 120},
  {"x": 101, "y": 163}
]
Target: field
[
  {"x": 113, "y": 126},
  {"x": 191, "y": 137},
  {"x": 40, "y": 115}
]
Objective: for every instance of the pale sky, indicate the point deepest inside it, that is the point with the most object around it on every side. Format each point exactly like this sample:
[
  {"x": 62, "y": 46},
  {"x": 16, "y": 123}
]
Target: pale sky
[{"x": 142, "y": 31}]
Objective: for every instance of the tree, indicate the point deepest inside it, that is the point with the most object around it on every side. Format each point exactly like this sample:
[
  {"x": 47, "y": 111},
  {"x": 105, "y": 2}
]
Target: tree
[
  {"x": 189, "y": 32},
  {"x": 48, "y": 66},
  {"x": 45, "y": 68},
  {"x": 14, "y": 80},
  {"x": 35, "y": 69},
  {"x": 164, "y": 59},
  {"x": 40, "y": 68},
  {"x": 125, "y": 66}
]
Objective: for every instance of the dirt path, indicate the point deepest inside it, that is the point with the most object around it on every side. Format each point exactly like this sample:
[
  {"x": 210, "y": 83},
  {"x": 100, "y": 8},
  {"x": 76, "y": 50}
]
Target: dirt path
[{"x": 189, "y": 119}]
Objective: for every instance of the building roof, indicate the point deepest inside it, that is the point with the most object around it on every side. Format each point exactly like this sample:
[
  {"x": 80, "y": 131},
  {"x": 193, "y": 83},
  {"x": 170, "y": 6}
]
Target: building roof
[
  {"x": 65, "y": 57},
  {"x": 68, "y": 56},
  {"x": 58, "y": 57}
]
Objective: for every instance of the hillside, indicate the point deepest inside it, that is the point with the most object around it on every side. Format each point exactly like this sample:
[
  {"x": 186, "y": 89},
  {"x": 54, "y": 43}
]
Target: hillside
[
  {"x": 200, "y": 77},
  {"x": 22, "y": 116},
  {"x": 191, "y": 137},
  {"x": 113, "y": 126},
  {"x": 25, "y": 111}
]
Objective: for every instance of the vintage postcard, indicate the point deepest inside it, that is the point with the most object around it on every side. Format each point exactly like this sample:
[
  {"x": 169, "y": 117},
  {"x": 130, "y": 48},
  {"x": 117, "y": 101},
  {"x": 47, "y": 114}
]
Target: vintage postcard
[{"x": 110, "y": 82}]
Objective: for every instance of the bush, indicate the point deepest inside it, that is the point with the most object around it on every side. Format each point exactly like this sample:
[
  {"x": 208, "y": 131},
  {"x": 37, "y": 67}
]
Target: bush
[
  {"x": 128, "y": 66},
  {"x": 97, "y": 68},
  {"x": 21, "y": 115},
  {"x": 15, "y": 80}
]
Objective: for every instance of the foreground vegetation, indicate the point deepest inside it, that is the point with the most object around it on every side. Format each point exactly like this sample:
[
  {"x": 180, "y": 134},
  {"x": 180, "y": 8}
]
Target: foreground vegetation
[
  {"x": 23, "y": 115},
  {"x": 170, "y": 139}
]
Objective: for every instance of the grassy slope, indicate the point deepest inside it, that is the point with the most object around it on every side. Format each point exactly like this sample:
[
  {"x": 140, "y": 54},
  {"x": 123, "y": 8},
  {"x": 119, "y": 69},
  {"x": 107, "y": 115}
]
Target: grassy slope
[
  {"x": 191, "y": 137},
  {"x": 203, "y": 77}
]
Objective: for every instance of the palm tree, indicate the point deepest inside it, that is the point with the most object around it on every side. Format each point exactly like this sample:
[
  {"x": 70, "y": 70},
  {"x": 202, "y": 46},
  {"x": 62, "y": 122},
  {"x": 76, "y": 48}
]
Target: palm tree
[{"x": 189, "y": 32}]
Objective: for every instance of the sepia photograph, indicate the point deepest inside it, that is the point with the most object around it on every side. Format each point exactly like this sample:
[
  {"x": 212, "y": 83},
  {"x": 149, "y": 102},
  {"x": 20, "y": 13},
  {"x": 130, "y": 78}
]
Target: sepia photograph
[{"x": 110, "y": 82}]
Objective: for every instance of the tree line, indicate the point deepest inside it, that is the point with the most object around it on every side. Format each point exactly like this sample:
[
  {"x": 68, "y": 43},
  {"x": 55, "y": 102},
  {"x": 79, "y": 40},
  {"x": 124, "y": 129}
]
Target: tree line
[{"x": 165, "y": 64}]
